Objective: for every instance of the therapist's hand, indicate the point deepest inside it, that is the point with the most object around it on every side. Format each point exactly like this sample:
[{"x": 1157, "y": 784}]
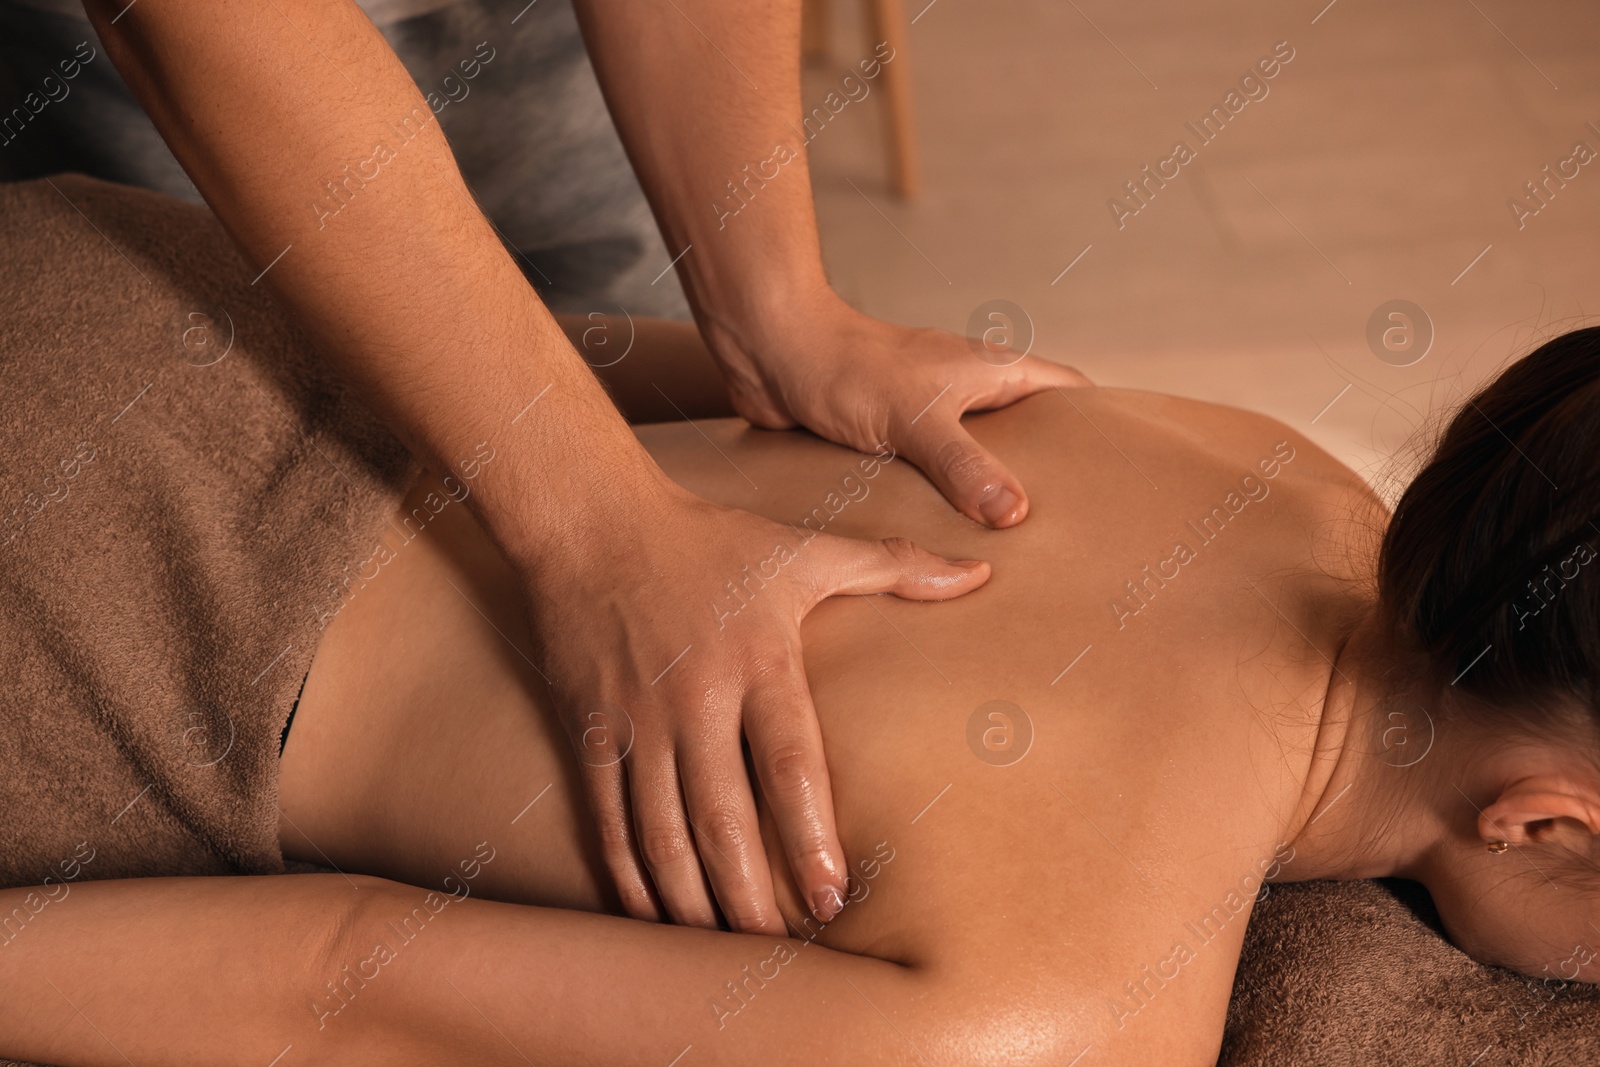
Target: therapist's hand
[
  {"x": 658, "y": 672},
  {"x": 451, "y": 347},
  {"x": 726, "y": 169},
  {"x": 859, "y": 381}
]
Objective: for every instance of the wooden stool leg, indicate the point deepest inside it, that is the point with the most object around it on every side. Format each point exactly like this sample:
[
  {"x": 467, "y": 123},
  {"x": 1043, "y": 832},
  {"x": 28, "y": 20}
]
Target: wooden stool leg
[
  {"x": 816, "y": 25},
  {"x": 888, "y": 22}
]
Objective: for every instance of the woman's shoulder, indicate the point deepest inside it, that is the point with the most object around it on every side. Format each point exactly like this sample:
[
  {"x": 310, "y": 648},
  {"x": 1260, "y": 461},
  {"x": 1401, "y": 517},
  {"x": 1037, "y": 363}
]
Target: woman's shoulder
[{"x": 1183, "y": 433}]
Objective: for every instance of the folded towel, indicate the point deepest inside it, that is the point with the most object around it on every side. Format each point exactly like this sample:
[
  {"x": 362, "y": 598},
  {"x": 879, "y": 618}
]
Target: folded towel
[
  {"x": 182, "y": 485},
  {"x": 1361, "y": 973}
]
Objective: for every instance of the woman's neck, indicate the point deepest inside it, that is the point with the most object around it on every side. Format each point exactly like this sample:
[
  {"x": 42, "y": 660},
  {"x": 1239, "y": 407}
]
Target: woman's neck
[{"x": 1377, "y": 759}]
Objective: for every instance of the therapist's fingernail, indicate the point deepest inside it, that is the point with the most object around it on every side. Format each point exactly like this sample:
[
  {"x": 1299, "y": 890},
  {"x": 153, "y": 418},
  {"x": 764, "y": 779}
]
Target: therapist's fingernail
[
  {"x": 826, "y": 903},
  {"x": 998, "y": 506},
  {"x": 966, "y": 564}
]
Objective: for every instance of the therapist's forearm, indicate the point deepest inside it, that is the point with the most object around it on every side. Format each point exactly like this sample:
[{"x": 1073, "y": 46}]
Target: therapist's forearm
[
  {"x": 311, "y": 143},
  {"x": 706, "y": 96}
]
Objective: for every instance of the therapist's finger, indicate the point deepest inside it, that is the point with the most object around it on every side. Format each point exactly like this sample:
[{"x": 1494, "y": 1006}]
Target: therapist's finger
[
  {"x": 786, "y": 743},
  {"x": 607, "y": 791},
  {"x": 833, "y": 566},
  {"x": 1003, "y": 377},
  {"x": 722, "y": 812},
  {"x": 666, "y": 840},
  {"x": 976, "y": 483}
]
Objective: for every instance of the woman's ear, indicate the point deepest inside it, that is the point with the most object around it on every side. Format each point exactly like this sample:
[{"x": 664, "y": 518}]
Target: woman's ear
[{"x": 1531, "y": 809}]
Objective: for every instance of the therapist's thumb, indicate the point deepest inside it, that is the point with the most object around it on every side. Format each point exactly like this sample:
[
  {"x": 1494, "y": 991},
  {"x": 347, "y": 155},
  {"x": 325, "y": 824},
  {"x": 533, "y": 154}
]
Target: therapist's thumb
[
  {"x": 976, "y": 483},
  {"x": 845, "y": 565}
]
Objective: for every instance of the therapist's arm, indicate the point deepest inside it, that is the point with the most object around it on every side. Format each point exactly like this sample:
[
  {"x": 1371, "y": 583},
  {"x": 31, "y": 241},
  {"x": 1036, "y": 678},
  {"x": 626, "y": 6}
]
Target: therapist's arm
[
  {"x": 311, "y": 143},
  {"x": 706, "y": 95}
]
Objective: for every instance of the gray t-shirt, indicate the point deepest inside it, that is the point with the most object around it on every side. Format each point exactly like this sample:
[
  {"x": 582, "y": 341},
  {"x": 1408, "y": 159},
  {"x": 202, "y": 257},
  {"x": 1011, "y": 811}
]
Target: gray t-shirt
[
  {"x": 509, "y": 82},
  {"x": 381, "y": 12}
]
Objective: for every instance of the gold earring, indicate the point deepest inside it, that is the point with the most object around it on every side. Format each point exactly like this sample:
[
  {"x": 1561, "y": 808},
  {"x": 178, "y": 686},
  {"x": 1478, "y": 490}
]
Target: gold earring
[{"x": 1498, "y": 847}]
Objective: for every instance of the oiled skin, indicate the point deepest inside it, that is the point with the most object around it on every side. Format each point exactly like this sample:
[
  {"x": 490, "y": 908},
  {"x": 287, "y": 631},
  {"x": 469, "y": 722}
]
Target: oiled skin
[{"x": 1166, "y": 766}]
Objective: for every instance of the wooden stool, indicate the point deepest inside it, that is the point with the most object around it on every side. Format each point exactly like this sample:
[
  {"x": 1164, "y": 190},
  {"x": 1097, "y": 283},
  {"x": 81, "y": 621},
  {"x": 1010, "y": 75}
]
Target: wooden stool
[{"x": 887, "y": 22}]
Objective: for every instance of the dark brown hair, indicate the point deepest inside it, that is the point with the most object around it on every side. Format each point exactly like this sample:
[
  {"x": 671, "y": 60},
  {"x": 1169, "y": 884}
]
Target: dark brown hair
[{"x": 1489, "y": 566}]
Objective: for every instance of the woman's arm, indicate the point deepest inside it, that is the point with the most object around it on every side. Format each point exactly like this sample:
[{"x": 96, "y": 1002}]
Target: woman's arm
[
  {"x": 167, "y": 971},
  {"x": 329, "y": 969},
  {"x": 656, "y": 370}
]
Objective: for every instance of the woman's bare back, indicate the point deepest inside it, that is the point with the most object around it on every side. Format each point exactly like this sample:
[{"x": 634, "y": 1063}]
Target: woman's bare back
[{"x": 1071, "y": 782}]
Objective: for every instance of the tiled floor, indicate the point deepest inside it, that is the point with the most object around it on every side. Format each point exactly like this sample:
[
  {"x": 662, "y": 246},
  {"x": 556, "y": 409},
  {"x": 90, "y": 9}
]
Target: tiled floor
[{"x": 1377, "y": 166}]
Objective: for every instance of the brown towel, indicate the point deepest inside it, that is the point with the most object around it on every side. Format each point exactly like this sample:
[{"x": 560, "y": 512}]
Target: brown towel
[
  {"x": 1360, "y": 973},
  {"x": 161, "y": 610},
  {"x": 175, "y": 515}
]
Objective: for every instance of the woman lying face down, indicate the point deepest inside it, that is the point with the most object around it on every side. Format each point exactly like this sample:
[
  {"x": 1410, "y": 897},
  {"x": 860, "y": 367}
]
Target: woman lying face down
[
  {"x": 1488, "y": 600},
  {"x": 1060, "y": 795}
]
